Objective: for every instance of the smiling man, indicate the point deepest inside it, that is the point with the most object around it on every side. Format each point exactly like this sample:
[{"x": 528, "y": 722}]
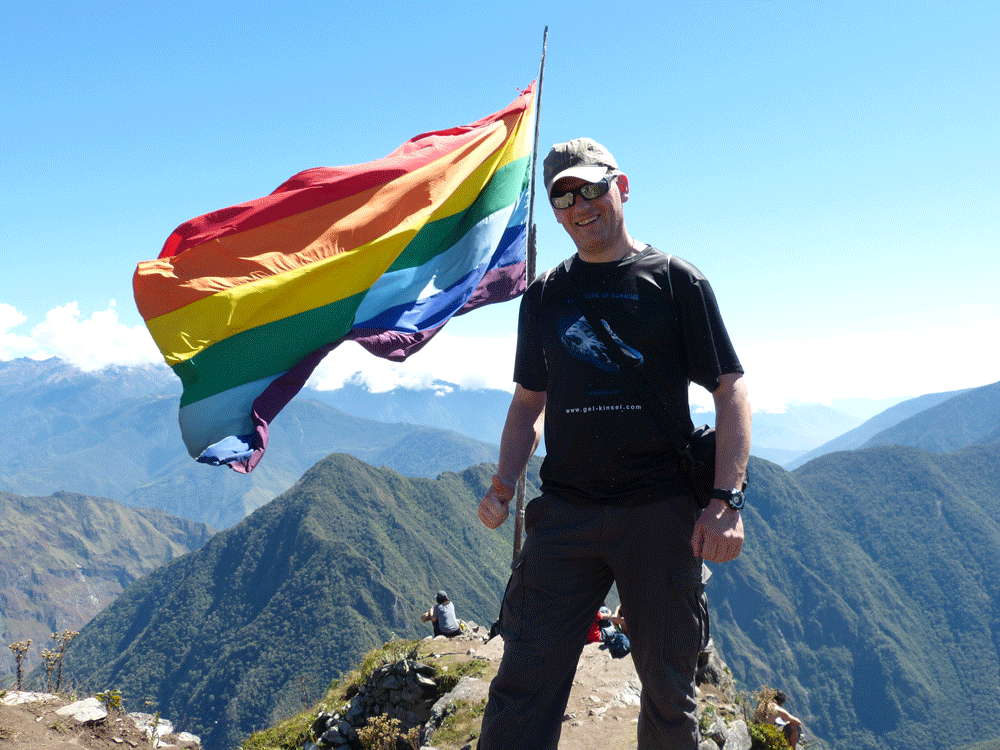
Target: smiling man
[{"x": 615, "y": 505}]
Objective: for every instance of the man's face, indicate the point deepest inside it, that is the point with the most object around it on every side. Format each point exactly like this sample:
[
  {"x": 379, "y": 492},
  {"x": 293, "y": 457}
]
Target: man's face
[{"x": 598, "y": 224}]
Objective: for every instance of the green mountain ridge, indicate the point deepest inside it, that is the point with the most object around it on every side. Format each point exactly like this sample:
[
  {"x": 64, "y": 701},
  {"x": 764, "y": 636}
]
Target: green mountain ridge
[
  {"x": 232, "y": 636},
  {"x": 866, "y": 591},
  {"x": 966, "y": 418}
]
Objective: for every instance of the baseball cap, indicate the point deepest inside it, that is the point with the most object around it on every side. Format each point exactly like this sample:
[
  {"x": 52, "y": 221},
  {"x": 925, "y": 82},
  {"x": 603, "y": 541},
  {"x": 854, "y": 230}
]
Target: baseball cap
[
  {"x": 582, "y": 157},
  {"x": 441, "y": 597},
  {"x": 604, "y": 612}
]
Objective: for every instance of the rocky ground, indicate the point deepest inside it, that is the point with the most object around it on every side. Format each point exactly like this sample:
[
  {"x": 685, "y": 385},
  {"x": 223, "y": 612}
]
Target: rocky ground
[
  {"x": 42, "y": 721},
  {"x": 602, "y": 712}
]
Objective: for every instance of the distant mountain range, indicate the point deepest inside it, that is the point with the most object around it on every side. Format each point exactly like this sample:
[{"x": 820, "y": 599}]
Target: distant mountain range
[
  {"x": 937, "y": 422},
  {"x": 65, "y": 557},
  {"x": 114, "y": 433}
]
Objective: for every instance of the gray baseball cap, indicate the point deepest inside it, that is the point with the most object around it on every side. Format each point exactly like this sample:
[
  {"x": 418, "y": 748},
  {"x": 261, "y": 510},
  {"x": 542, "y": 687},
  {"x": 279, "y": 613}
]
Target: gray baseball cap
[{"x": 582, "y": 157}]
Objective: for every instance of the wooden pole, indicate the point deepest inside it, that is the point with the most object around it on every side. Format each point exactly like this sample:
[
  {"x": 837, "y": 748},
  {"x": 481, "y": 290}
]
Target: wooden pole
[{"x": 530, "y": 273}]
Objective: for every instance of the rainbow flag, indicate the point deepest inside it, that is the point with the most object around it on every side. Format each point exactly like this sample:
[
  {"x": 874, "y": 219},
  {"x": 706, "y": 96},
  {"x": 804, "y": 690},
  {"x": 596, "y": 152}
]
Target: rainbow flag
[{"x": 244, "y": 302}]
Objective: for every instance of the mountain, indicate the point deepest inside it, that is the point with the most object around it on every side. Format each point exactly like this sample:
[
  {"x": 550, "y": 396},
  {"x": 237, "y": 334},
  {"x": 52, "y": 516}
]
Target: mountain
[
  {"x": 966, "y": 418},
  {"x": 867, "y": 592},
  {"x": 801, "y": 427},
  {"x": 114, "y": 433},
  {"x": 232, "y": 635},
  {"x": 65, "y": 557},
  {"x": 478, "y": 414},
  {"x": 881, "y": 422}
]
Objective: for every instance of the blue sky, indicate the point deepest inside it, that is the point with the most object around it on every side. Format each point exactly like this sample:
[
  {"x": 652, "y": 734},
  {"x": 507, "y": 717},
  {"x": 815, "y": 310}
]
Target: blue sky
[{"x": 831, "y": 167}]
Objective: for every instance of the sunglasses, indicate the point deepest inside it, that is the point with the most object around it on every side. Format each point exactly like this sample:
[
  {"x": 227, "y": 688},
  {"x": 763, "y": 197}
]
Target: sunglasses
[{"x": 590, "y": 191}]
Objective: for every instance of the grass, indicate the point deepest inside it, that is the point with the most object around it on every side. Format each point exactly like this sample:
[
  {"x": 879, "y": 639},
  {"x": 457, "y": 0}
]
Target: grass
[
  {"x": 448, "y": 675},
  {"x": 291, "y": 734},
  {"x": 461, "y": 724}
]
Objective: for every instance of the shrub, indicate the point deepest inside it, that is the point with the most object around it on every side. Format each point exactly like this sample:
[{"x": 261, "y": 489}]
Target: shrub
[
  {"x": 767, "y": 737},
  {"x": 379, "y": 734}
]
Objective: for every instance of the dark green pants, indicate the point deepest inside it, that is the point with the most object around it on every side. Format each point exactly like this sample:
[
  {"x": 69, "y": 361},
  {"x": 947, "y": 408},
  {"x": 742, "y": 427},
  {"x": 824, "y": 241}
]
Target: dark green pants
[{"x": 571, "y": 556}]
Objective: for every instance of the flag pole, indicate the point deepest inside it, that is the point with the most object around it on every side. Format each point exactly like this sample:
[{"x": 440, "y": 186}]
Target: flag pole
[{"x": 530, "y": 276}]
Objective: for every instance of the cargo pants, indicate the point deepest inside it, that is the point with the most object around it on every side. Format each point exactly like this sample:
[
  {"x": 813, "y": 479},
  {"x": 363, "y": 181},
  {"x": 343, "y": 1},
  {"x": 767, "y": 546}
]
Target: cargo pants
[{"x": 571, "y": 556}]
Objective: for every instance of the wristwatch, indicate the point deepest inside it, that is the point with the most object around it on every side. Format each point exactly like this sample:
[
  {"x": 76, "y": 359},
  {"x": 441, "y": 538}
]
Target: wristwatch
[{"x": 733, "y": 498}]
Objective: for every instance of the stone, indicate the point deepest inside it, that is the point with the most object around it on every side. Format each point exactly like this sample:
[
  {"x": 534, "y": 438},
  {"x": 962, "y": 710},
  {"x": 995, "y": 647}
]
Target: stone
[
  {"x": 717, "y": 731},
  {"x": 468, "y": 689},
  {"x": 628, "y": 698},
  {"x": 426, "y": 684},
  {"x": 90, "y": 709},
  {"x": 18, "y": 697},
  {"x": 738, "y": 737}
]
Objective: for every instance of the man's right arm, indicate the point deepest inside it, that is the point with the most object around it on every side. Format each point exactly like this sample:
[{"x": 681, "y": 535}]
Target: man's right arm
[{"x": 521, "y": 434}]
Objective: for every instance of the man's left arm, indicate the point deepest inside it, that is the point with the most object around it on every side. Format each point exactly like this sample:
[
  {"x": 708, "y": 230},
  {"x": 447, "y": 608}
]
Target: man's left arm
[{"x": 718, "y": 533}]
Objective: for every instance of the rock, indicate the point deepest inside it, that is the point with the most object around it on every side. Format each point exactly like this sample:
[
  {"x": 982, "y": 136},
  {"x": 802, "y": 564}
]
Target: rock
[
  {"x": 468, "y": 689},
  {"x": 85, "y": 711},
  {"x": 145, "y": 724},
  {"x": 738, "y": 737},
  {"x": 711, "y": 669},
  {"x": 718, "y": 731},
  {"x": 18, "y": 697}
]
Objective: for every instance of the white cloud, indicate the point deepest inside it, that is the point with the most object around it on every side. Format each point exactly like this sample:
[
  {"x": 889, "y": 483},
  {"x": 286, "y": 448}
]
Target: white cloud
[
  {"x": 88, "y": 343},
  {"x": 471, "y": 363},
  {"x": 922, "y": 353},
  {"x": 11, "y": 344}
]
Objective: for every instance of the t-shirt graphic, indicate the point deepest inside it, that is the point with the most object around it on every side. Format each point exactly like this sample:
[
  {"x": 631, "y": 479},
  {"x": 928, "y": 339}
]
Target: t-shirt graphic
[{"x": 579, "y": 339}]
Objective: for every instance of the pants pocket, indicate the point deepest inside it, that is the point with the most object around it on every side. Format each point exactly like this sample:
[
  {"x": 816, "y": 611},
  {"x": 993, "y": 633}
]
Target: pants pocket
[
  {"x": 688, "y": 611},
  {"x": 512, "y": 605}
]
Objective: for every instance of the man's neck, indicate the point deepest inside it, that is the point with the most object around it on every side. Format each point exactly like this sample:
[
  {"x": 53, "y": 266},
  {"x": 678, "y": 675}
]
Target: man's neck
[{"x": 610, "y": 254}]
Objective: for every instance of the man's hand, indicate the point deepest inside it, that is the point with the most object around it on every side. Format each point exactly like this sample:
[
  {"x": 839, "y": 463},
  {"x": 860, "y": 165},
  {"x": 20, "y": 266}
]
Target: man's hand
[
  {"x": 718, "y": 533},
  {"x": 493, "y": 508}
]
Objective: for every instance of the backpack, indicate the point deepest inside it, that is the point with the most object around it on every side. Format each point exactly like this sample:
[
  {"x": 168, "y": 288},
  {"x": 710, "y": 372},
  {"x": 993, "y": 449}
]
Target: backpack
[{"x": 619, "y": 645}]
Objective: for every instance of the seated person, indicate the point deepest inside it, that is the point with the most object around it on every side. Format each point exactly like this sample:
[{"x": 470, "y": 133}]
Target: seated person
[
  {"x": 605, "y": 624},
  {"x": 790, "y": 726},
  {"x": 443, "y": 617},
  {"x": 618, "y": 618},
  {"x": 594, "y": 634}
]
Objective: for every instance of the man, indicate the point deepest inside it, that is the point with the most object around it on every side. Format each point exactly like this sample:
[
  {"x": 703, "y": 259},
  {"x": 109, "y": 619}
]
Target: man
[{"x": 615, "y": 506}]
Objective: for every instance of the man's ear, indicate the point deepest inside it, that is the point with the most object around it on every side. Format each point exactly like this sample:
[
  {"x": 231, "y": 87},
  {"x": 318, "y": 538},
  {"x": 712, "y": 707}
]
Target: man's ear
[{"x": 623, "y": 186}]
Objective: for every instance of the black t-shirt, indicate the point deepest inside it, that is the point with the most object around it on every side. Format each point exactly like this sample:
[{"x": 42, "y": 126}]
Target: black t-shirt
[{"x": 602, "y": 443}]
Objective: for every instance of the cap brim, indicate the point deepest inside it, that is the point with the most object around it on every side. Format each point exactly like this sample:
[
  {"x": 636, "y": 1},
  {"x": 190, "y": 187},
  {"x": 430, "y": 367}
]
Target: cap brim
[{"x": 588, "y": 173}]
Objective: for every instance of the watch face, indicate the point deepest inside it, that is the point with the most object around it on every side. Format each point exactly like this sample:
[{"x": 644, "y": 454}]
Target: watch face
[{"x": 736, "y": 500}]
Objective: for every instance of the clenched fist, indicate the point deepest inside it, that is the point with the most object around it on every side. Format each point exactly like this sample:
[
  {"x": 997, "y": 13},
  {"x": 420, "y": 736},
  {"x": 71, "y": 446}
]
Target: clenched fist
[{"x": 493, "y": 508}]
